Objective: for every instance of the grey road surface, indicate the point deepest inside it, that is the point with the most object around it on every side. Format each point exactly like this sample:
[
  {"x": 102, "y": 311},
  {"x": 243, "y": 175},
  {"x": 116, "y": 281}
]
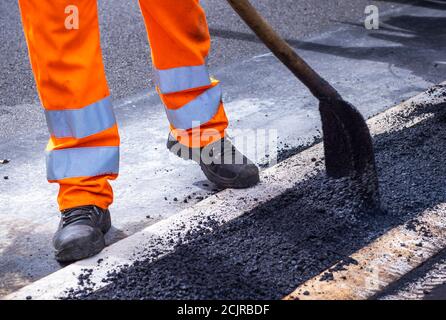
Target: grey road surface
[{"x": 126, "y": 49}]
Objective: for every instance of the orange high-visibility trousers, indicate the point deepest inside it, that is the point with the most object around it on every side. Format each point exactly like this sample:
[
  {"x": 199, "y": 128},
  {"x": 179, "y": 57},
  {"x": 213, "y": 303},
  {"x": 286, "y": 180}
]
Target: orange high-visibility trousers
[{"x": 64, "y": 48}]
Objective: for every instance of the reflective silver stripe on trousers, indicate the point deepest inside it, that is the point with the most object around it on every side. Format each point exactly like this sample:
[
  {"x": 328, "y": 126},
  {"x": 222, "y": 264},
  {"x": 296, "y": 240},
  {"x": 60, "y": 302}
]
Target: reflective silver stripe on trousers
[
  {"x": 82, "y": 162},
  {"x": 81, "y": 123},
  {"x": 183, "y": 78},
  {"x": 199, "y": 111}
]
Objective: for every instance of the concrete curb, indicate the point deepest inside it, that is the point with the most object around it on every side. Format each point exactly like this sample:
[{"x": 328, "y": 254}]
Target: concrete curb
[{"x": 222, "y": 207}]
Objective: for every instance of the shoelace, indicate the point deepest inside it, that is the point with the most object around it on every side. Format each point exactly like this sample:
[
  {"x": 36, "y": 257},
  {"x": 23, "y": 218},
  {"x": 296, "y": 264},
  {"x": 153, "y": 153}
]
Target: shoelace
[{"x": 77, "y": 214}]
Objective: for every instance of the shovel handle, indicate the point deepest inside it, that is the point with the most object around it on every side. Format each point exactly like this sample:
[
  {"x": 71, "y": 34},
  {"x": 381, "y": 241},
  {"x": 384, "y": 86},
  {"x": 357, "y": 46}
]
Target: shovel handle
[{"x": 320, "y": 88}]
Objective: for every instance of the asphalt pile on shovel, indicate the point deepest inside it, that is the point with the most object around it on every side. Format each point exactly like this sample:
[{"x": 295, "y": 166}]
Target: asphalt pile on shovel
[{"x": 268, "y": 252}]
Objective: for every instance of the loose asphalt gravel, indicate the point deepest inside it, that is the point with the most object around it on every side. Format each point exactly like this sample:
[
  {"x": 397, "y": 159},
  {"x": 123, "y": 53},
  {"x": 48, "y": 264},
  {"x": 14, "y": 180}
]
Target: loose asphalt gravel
[{"x": 268, "y": 252}]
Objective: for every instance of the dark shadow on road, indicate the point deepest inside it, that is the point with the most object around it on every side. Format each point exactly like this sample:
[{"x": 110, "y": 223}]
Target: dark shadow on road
[
  {"x": 28, "y": 257},
  {"x": 409, "y": 279}
]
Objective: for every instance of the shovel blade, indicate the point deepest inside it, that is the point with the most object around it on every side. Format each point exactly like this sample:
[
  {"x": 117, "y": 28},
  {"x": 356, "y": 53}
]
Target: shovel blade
[{"x": 348, "y": 148}]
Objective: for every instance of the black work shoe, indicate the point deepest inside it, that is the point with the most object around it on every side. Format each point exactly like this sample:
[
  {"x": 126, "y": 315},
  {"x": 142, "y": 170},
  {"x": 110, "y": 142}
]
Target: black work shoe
[
  {"x": 221, "y": 163},
  {"x": 81, "y": 233}
]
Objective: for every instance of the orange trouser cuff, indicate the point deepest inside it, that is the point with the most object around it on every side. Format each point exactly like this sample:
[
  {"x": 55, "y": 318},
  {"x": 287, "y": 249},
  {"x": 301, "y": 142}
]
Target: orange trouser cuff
[{"x": 75, "y": 192}]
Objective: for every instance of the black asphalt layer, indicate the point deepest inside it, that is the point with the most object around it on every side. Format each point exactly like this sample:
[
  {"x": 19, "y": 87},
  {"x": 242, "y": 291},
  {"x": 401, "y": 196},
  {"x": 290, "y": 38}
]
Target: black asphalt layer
[{"x": 268, "y": 252}]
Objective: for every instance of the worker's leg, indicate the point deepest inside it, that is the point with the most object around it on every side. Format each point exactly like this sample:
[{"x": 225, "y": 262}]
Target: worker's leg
[
  {"x": 180, "y": 42},
  {"x": 65, "y": 53}
]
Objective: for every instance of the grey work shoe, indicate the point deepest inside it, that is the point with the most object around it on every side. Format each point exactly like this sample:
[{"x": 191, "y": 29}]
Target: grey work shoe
[
  {"x": 221, "y": 163},
  {"x": 81, "y": 233}
]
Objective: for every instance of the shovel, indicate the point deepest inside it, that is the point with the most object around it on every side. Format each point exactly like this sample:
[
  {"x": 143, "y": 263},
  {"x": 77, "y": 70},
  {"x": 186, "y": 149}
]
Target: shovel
[{"x": 348, "y": 144}]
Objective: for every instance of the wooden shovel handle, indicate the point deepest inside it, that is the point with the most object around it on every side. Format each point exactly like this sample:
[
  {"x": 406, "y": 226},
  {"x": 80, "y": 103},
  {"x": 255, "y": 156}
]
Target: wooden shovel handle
[{"x": 283, "y": 51}]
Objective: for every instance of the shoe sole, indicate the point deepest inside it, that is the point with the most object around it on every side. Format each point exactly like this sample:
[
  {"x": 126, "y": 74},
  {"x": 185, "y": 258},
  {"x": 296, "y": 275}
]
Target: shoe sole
[
  {"x": 81, "y": 251},
  {"x": 84, "y": 250}
]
